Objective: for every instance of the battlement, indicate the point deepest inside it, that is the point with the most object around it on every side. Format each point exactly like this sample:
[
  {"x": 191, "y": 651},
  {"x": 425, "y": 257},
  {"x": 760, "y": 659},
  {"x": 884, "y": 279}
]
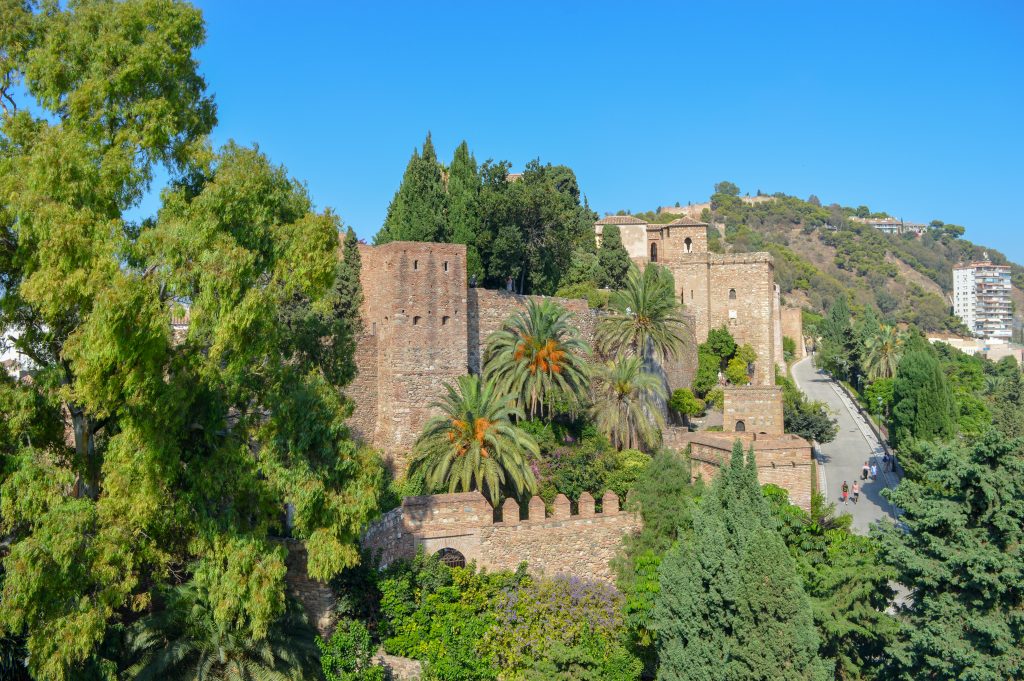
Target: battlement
[{"x": 564, "y": 541}]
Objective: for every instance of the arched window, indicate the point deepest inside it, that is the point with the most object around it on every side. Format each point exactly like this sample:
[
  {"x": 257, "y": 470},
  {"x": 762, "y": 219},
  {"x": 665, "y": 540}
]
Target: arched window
[
  {"x": 741, "y": 427},
  {"x": 451, "y": 557},
  {"x": 732, "y": 294},
  {"x": 654, "y": 252},
  {"x": 688, "y": 245}
]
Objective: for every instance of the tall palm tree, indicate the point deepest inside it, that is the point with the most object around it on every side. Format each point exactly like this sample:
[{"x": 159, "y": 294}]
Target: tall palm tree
[
  {"x": 627, "y": 403},
  {"x": 645, "y": 317},
  {"x": 538, "y": 356},
  {"x": 184, "y": 641},
  {"x": 882, "y": 352},
  {"x": 473, "y": 444}
]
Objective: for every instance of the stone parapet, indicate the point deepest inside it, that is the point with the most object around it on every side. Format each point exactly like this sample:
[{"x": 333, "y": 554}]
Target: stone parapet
[{"x": 581, "y": 543}]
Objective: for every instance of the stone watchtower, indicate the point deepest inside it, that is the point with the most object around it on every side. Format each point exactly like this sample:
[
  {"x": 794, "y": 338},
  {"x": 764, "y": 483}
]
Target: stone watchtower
[
  {"x": 414, "y": 339},
  {"x": 732, "y": 290}
]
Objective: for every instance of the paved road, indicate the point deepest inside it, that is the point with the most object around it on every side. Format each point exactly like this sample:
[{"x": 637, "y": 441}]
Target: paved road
[{"x": 843, "y": 458}]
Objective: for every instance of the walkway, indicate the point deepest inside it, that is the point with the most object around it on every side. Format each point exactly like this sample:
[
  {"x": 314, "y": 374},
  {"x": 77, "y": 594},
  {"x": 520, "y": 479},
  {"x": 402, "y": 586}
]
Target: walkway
[{"x": 843, "y": 458}]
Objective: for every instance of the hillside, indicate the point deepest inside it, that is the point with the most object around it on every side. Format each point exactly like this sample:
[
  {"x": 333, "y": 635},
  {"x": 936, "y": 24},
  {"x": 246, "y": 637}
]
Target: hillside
[{"x": 821, "y": 252}]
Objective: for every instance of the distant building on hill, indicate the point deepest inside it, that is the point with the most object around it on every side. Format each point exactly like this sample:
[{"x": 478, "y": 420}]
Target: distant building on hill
[
  {"x": 894, "y": 226},
  {"x": 981, "y": 298}
]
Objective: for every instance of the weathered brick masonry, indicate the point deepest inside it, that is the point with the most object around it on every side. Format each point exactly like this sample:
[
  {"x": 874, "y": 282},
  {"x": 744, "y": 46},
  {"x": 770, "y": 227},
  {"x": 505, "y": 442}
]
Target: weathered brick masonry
[
  {"x": 581, "y": 543},
  {"x": 793, "y": 327}
]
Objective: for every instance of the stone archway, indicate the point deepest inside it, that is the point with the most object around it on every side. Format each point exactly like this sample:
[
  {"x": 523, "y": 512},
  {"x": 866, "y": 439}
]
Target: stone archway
[{"x": 451, "y": 557}]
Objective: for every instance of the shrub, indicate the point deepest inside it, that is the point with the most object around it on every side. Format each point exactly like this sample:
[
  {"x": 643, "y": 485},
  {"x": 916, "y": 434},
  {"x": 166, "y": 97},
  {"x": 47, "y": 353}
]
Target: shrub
[
  {"x": 788, "y": 349},
  {"x": 562, "y": 628},
  {"x": 708, "y": 365},
  {"x": 715, "y": 398},
  {"x": 736, "y": 372},
  {"x": 348, "y": 655},
  {"x": 685, "y": 404}
]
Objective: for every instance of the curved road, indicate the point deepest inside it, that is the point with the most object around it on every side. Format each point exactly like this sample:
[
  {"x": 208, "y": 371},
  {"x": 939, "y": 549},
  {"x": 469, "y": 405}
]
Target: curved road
[{"x": 843, "y": 458}]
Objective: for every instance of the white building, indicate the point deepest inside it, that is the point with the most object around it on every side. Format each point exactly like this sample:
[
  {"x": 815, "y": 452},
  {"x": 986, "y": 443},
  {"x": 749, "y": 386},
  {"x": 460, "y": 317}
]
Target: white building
[
  {"x": 981, "y": 298},
  {"x": 11, "y": 359}
]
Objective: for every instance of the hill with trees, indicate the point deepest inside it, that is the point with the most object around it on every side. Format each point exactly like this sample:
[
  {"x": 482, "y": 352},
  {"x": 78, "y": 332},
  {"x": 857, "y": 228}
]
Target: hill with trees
[{"x": 822, "y": 253}]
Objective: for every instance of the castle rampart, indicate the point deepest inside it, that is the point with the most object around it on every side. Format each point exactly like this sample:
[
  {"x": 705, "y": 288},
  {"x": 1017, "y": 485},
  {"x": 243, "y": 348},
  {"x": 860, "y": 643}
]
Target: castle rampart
[{"x": 564, "y": 542}]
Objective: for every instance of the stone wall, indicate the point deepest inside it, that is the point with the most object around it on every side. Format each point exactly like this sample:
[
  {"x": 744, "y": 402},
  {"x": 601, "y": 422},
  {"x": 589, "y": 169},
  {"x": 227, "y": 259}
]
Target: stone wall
[
  {"x": 316, "y": 597},
  {"x": 759, "y": 408},
  {"x": 489, "y": 309},
  {"x": 581, "y": 543},
  {"x": 782, "y": 460},
  {"x": 779, "y": 358},
  {"x": 793, "y": 327}
]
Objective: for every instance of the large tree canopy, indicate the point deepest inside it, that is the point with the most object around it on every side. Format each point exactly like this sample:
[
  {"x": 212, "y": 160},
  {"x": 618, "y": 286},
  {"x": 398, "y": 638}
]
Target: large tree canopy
[{"x": 184, "y": 450}]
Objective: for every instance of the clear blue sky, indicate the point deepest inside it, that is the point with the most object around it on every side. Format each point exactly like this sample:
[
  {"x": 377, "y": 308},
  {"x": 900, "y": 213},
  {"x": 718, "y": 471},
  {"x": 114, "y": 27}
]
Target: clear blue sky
[{"x": 916, "y": 108}]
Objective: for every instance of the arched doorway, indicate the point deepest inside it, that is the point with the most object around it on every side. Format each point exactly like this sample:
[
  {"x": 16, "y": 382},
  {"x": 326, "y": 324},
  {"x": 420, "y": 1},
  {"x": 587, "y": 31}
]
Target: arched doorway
[
  {"x": 741, "y": 427},
  {"x": 451, "y": 557},
  {"x": 654, "y": 252}
]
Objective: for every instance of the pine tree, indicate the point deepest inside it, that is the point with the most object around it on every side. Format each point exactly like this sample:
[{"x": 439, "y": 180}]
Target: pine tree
[
  {"x": 464, "y": 207},
  {"x": 613, "y": 258},
  {"x": 419, "y": 210},
  {"x": 958, "y": 548},
  {"x": 731, "y": 604},
  {"x": 923, "y": 403}
]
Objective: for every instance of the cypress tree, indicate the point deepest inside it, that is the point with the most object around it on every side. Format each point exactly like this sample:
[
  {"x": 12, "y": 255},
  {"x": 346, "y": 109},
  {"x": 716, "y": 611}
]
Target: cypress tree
[
  {"x": 464, "y": 206},
  {"x": 923, "y": 403},
  {"x": 731, "y": 604},
  {"x": 613, "y": 258},
  {"x": 419, "y": 210}
]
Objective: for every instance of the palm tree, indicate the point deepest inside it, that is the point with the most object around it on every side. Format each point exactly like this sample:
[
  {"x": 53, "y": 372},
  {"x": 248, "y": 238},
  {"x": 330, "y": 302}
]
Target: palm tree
[
  {"x": 995, "y": 384},
  {"x": 184, "y": 641},
  {"x": 537, "y": 356},
  {"x": 882, "y": 352},
  {"x": 627, "y": 403},
  {"x": 644, "y": 317},
  {"x": 473, "y": 444}
]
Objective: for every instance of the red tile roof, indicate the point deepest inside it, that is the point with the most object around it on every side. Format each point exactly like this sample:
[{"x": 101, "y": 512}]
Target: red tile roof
[{"x": 620, "y": 220}]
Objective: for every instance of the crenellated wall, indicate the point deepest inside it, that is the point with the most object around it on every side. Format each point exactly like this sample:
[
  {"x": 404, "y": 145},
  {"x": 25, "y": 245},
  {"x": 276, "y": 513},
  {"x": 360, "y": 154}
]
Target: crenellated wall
[{"x": 564, "y": 542}]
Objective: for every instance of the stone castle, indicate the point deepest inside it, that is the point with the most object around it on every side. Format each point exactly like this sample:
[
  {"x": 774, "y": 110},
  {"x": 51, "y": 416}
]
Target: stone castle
[{"x": 425, "y": 326}]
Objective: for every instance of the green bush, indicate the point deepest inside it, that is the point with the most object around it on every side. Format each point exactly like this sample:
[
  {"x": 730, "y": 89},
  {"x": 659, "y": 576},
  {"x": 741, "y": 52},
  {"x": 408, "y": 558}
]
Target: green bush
[
  {"x": 708, "y": 365},
  {"x": 348, "y": 655},
  {"x": 788, "y": 349},
  {"x": 736, "y": 372},
  {"x": 715, "y": 398},
  {"x": 685, "y": 404}
]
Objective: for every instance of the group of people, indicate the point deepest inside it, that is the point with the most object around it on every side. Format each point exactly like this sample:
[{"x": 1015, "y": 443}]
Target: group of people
[{"x": 870, "y": 469}]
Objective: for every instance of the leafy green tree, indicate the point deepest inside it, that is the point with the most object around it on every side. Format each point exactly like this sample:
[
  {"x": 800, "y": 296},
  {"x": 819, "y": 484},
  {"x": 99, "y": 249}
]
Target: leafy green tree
[
  {"x": 584, "y": 268},
  {"x": 185, "y": 641},
  {"x": 627, "y": 403},
  {"x": 958, "y": 550},
  {"x": 708, "y": 365},
  {"x": 727, "y": 188},
  {"x": 164, "y": 474},
  {"x": 473, "y": 444},
  {"x": 878, "y": 395},
  {"x": 731, "y": 603},
  {"x": 721, "y": 344},
  {"x": 348, "y": 654},
  {"x": 613, "y": 258},
  {"x": 538, "y": 358},
  {"x": 736, "y": 372},
  {"x": 644, "y": 317},
  {"x": 923, "y": 405},
  {"x": 419, "y": 211},
  {"x": 685, "y": 404}
]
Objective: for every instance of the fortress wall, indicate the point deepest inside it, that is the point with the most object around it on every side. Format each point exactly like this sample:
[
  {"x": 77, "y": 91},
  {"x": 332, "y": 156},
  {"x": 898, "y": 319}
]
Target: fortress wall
[
  {"x": 793, "y": 327},
  {"x": 563, "y": 543},
  {"x": 415, "y": 303},
  {"x": 784, "y": 461},
  {"x": 779, "y": 359},
  {"x": 758, "y": 407},
  {"x": 363, "y": 389},
  {"x": 488, "y": 310}
]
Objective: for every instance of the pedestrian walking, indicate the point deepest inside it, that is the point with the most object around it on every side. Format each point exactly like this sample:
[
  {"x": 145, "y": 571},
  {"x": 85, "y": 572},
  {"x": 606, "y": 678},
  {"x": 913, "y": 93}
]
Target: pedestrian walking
[
  {"x": 885, "y": 461},
  {"x": 845, "y": 491},
  {"x": 874, "y": 471},
  {"x": 856, "y": 491},
  {"x": 865, "y": 471}
]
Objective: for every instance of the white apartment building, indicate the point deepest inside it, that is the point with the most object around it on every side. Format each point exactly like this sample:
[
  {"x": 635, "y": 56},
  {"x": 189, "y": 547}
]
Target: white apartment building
[{"x": 981, "y": 298}]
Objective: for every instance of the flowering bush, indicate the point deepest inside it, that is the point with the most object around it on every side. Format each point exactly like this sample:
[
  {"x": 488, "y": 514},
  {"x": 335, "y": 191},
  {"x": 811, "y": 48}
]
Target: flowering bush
[{"x": 561, "y": 628}]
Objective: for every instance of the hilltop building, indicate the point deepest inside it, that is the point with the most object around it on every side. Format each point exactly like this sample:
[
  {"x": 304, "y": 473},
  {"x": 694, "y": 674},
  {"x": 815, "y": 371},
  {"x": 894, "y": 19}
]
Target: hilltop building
[
  {"x": 893, "y": 226},
  {"x": 981, "y": 298}
]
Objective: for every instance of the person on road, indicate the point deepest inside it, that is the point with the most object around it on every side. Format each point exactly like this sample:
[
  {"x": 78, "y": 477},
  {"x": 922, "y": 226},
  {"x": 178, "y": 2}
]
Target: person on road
[
  {"x": 845, "y": 491},
  {"x": 856, "y": 491},
  {"x": 874, "y": 471},
  {"x": 864, "y": 471},
  {"x": 885, "y": 461}
]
